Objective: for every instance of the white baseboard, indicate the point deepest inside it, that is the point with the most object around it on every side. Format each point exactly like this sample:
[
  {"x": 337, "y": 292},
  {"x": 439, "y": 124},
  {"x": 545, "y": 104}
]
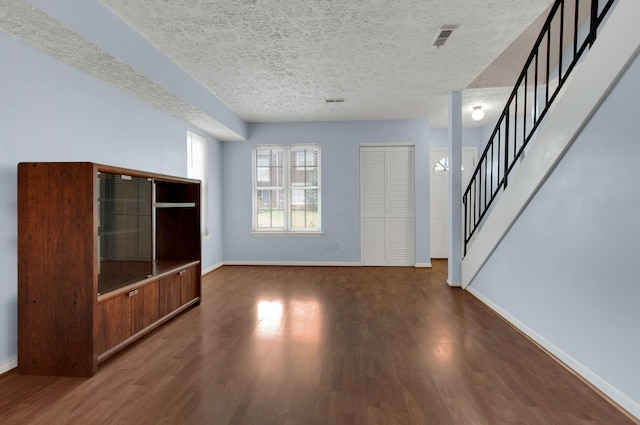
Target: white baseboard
[
  {"x": 212, "y": 268},
  {"x": 423, "y": 265},
  {"x": 7, "y": 365},
  {"x": 290, "y": 263},
  {"x": 608, "y": 390},
  {"x": 454, "y": 284}
]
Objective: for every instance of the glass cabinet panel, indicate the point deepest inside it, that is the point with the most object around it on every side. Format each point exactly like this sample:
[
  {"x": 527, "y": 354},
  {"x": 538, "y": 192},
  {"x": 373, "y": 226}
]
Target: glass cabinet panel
[{"x": 125, "y": 230}]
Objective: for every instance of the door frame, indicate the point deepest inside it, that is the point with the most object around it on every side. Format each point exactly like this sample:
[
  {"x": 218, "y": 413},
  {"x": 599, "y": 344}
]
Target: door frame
[{"x": 445, "y": 152}]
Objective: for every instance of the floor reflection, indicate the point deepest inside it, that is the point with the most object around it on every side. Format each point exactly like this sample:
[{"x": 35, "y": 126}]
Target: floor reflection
[
  {"x": 299, "y": 318},
  {"x": 269, "y": 318}
]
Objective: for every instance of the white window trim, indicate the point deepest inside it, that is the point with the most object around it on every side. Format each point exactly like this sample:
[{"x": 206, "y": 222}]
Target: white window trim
[
  {"x": 287, "y": 230},
  {"x": 191, "y": 173}
]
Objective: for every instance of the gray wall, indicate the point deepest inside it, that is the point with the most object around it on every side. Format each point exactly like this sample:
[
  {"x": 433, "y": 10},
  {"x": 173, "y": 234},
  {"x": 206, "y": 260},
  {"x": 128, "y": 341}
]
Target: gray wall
[
  {"x": 340, "y": 142},
  {"x": 568, "y": 268},
  {"x": 51, "y": 112}
]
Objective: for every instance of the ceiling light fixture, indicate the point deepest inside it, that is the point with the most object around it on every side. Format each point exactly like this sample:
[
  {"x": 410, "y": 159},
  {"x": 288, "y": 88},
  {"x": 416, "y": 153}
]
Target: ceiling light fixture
[{"x": 477, "y": 113}]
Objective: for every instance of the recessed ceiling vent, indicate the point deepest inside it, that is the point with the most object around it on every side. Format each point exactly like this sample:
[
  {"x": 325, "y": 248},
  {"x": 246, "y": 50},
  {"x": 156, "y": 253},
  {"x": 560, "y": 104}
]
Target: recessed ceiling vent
[
  {"x": 335, "y": 100},
  {"x": 443, "y": 35}
]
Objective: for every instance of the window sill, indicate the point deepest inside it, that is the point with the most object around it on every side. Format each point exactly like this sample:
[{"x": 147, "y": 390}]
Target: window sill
[{"x": 287, "y": 234}]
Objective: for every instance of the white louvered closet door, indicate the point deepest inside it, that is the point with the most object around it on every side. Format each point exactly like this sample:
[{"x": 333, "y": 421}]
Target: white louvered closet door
[{"x": 387, "y": 205}]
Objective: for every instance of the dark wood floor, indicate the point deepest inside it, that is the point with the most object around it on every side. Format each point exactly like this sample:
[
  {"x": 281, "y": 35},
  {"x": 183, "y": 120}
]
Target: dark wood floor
[{"x": 320, "y": 345}]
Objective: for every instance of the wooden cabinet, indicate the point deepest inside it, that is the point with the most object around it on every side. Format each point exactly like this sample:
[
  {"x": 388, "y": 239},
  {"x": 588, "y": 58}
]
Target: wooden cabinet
[
  {"x": 189, "y": 285},
  {"x": 105, "y": 255},
  {"x": 179, "y": 289},
  {"x": 144, "y": 306},
  {"x": 113, "y": 322},
  {"x": 169, "y": 294},
  {"x": 122, "y": 317}
]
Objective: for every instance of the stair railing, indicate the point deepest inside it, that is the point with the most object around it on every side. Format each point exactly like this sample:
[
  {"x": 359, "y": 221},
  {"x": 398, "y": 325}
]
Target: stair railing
[{"x": 543, "y": 76}]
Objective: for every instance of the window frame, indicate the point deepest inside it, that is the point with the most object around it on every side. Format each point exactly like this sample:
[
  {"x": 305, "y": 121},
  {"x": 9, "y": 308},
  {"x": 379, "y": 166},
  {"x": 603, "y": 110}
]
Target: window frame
[{"x": 287, "y": 188}]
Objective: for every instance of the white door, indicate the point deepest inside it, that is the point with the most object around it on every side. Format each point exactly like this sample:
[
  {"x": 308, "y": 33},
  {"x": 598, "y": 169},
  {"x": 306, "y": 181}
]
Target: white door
[
  {"x": 387, "y": 205},
  {"x": 439, "y": 193}
]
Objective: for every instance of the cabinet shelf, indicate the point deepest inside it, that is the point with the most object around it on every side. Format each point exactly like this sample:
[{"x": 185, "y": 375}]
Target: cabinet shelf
[
  {"x": 175, "y": 205},
  {"x": 118, "y": 232},
  {"x": 116, "y": 200}
]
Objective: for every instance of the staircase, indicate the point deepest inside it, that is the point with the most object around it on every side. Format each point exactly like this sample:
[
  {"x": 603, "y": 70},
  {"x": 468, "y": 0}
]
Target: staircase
[
  {"x": 554, "y": 96},
  {"x": 556, "y": 251}
]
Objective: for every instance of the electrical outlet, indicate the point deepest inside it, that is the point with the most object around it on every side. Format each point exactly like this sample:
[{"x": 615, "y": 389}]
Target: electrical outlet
[{"x": 336, "y": 245}]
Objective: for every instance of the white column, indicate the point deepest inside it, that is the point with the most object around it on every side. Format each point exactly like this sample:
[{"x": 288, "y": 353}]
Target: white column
[{"x": 455, "y": 188}]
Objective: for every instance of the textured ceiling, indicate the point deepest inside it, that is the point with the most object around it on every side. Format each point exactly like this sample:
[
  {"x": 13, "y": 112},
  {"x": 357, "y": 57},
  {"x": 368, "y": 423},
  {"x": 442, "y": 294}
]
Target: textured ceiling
[
  {"x": 39, "y": 30},
  {"x": 278, "y": 60}
]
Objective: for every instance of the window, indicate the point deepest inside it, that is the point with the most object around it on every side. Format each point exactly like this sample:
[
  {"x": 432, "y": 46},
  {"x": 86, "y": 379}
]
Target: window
[
  {"x": 197, "y": 169},
  {"x": 443, "y": 165},
  {"x": 286, "y": 188}
]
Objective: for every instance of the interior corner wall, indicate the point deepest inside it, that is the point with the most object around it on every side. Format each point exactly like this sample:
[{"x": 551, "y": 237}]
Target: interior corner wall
[
  {"x": 340, "y": 145},
  {"x": 52, "y": 112},
  {"x": 567, "y": 270},
  {"x": 212, "y": 244}
]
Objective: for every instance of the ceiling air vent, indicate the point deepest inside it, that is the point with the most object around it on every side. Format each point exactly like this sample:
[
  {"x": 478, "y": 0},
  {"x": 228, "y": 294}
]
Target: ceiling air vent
[
  {"x": 443, "y": 35},
  {"x": 335, "y": 100}
]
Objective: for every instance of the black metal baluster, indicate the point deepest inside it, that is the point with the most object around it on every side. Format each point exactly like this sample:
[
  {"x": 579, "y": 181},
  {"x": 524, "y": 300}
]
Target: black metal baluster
[
  {"x": 500, "y": 160},
  {"x": 524, "y": 112},
  {"x": 594, "y": 22},
  {"x": 464, "y": 203},
  {"x": 576, "y": 22},
  {"x": 515, "y": 127},
  {"x": 560, "y": 47},
  {"x": 548, "y": 76},
  {"x": 535, "y": 93},
  {"x": 506, "y": 151},
  {"x": 486, "y": 173},
  {"x": 493, "y": 159}
]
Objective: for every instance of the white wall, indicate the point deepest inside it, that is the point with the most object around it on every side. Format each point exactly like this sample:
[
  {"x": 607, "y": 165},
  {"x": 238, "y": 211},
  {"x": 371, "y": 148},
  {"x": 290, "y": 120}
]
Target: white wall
[
  {"x": 471, "y": 137},
  {"x": 340, "y": 142},
  {"x": 568, "y": 270},
  {"x": 51, "y": 112},
  {"x": 212, "y": 244}
]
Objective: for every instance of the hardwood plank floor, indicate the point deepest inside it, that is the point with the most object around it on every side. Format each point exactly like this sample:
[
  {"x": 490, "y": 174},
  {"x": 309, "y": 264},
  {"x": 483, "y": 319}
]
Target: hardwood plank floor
[{"x": 320, "y": 345}]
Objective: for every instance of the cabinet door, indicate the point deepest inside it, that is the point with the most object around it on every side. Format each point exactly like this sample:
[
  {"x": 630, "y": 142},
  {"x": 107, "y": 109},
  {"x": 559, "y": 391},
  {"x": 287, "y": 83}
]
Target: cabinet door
[
  {"x": 189, "y": 284},
  {"x": 145, "y": 306},
  {"x": 113, "y": 322},
  {"x": 169, "y": 299}
]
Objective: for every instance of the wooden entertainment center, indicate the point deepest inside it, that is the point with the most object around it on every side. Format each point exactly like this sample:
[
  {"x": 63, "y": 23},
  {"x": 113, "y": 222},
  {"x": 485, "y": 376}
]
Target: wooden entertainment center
[{"x": 105, "y": 255}]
